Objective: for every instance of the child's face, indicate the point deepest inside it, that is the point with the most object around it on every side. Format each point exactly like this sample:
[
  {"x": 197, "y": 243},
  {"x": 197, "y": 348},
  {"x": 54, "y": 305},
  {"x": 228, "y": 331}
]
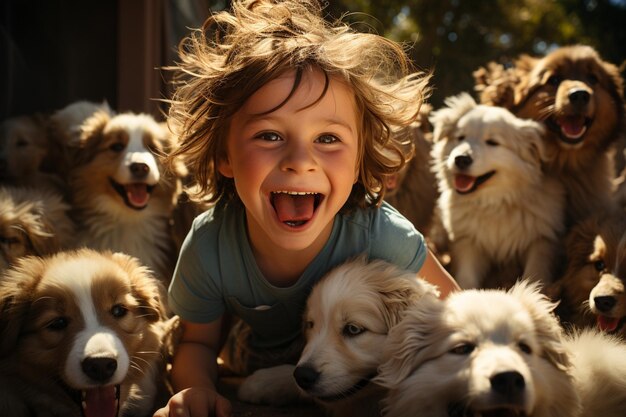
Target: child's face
[{"x": 293, "y": 168}]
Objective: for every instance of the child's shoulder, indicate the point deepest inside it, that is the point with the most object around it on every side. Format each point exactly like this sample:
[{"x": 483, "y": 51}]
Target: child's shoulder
[{"x": 384, "y": 215}]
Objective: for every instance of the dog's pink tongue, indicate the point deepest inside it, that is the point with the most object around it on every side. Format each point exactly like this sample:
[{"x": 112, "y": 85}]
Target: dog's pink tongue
[
  {"x": 100, "y": 402},
  {"x": 137, "y": 194},
  {"x": 463, "y": 182},
  {"x": 572, "y": 126},
  {"x": 291, "y": 208},
  {"x": 607, "y": 324}
]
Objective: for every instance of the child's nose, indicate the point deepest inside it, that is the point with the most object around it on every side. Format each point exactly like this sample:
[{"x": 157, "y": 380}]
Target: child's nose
[{"x": 299, "y": 158}]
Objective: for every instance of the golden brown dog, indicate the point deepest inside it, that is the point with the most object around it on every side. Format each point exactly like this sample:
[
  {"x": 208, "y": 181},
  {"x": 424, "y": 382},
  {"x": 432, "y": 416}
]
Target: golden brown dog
[
  {"x": 81, "y": 334},
  {"x": 32, "y": 222},
  {"x": 579, "y": 97},
  {"x": 592, "y": 291},
  {"x": 122, "y": 195}
]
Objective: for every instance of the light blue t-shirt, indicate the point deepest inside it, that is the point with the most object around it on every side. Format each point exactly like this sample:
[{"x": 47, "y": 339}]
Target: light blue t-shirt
[{"x": 216, "y": 271}]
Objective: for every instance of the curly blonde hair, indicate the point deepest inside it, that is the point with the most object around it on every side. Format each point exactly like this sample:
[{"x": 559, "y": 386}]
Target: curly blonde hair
[{"x": 235, "y": 53}]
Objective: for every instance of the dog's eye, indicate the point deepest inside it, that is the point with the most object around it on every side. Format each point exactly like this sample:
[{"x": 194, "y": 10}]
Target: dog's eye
[
  {"x": 352, "y": 330},
  {"x": 21, "y": 143},
  {"x": 117, "y": 147},
  {"x": 9, "y": 241},
  {"x": 599, "y": 265},
  {"x": 463, "y": 349},
  {"x": 554, "y": 80},
  {"x": 460, "y": 138},
  {"x": 57, "y": 324},
  {"x": 491, "y": 142},
  {"x": 593, "y": 80},
  {"x": 524, "y": 348},
  {"x": 118, "y": 311},
  {"x": 308, "y": 324}
]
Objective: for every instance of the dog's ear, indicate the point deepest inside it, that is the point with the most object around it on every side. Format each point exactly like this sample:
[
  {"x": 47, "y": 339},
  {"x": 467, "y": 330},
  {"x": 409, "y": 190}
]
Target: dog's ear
[
  {"x": 548, "y": 329},
  {"x": 530, "y": 138},
  {"x": 495, "y": 85},
  {"x": 524, "y": 78},
  {"x": 445, "y": 119},
  {"x": 84, "y": 146},
  {"x": 16, "y": 287},
  {"x": 411, "y": 342},
  {"x": 615, "y": 80},
  {"x": 146, "y": 288}
]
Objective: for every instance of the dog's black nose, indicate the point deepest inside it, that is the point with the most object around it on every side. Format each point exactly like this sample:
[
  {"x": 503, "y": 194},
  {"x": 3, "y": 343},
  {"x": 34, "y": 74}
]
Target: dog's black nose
[
  {"x": 463, "y": 161},
  {"x": 305, "y": 376},
  {"x": 139, "y": 169},
  {"x": 99, "y": 369},
  {"x": 579, "y": 97},
  {"x": 510, "y": 384},
  {"x": 605, "y": 303}
]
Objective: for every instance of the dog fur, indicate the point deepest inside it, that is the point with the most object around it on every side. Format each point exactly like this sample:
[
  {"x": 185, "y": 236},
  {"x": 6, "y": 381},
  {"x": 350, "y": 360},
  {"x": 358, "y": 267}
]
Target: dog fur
[
  {"x": 32, "y": 222},
  {"x": 579, "y": 97},
  {"x": 122, "y": 195},
  {"x": 348, "y": 315},
  {"x": 499, "y": 210},
  {"x": 592, "y": 291},
  {"x": 80, "y": 322},
  {"x": 495, "y": 353}
]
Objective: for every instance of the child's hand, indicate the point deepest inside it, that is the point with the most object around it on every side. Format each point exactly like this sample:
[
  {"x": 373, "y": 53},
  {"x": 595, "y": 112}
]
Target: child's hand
[{"x": 196, "y": 402}]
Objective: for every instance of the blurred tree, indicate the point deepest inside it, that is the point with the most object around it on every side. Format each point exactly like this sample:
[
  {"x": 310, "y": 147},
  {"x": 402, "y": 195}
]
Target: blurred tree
[{"x": 455, "y": 37}]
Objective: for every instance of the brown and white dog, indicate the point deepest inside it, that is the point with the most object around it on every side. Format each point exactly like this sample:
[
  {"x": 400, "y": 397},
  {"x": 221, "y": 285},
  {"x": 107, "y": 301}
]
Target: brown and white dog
[
  {"x": 500, "y": 211},
  {"x": 592, "y": 291},
  {"x": 495, "y": 353},
  {"x": 348, "y": 316},
  {"x": 122, "y": 195},
  {"x": 80, "y": 327},
  {"x": 579, "y": 97},
  {"x": 32, "y": 222}
]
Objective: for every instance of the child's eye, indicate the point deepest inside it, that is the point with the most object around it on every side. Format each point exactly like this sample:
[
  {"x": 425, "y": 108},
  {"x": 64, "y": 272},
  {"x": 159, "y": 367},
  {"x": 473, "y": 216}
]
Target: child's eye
[
  {"x": 327, "y": 139},
  {"x": 269, "y": 136}
]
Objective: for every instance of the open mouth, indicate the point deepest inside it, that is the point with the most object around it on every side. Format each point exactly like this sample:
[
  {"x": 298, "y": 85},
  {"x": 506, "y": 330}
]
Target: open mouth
[
  {"x": 465, "y": 184},
  {"x": 459, "y": 410},
  {"x": 348, "y": 392},
  {"x": 98, "y": 402},
  {"x": 610, "y": 324},
  {"x": 571, "y": 129},
  {"x": 294, "y": 208},
  {"x": 135, "y": 195}
]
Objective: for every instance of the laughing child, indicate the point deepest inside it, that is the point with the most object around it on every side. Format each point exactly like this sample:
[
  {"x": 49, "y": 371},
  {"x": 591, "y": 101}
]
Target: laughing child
[{"x": 286, "y": 121}]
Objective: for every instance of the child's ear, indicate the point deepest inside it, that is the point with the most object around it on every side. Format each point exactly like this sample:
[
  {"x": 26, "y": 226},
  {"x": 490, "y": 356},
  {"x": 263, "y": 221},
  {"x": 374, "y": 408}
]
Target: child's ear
[{"x": 224, "y": 168}]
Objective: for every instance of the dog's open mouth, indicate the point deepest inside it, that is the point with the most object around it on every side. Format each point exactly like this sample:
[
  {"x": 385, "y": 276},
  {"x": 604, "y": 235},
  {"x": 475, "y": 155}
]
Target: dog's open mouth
[
  {"x": 97, "y": 402},
  {"x": 610, "y": 324},
  {"x": 135, "y": 195},
  {"x": 465, "y": 184},
  {"x": 295, "y": 209},
  {"x": 348, "y": 392},
  {"x": 459, "y": 410},
  {"x": 572, "y": 129}
]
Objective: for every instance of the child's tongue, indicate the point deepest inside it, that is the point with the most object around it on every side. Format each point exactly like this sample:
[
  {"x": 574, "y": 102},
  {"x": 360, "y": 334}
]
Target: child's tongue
[{"x": 290, "y": 208}]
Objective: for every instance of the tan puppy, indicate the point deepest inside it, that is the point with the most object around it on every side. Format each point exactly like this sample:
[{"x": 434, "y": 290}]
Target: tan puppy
[{"x": 348, "y": 316}]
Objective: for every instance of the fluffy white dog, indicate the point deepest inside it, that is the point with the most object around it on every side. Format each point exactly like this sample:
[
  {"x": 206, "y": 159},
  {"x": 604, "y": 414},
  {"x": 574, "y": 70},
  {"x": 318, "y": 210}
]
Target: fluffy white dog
[
  {"x": 490, "y": 353},
  {"x": 348, "y": 316},
  {"x": 499, "y": 210}
]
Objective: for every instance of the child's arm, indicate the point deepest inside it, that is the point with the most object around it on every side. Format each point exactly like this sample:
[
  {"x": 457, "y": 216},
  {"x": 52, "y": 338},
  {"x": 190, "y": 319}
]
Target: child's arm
[
  {"x": 194, "y": 374},
  {"x": 433, "y": 272}
]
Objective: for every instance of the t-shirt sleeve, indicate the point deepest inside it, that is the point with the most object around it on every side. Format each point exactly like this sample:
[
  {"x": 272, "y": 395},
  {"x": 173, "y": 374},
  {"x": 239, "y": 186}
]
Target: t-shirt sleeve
[
  {"x": 395, "y": 239},
  {"x": 193, "y": 293}
]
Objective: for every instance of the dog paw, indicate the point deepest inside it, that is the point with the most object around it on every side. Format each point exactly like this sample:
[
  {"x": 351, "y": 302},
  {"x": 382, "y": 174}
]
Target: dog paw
[{"x": 273, "y": 386}]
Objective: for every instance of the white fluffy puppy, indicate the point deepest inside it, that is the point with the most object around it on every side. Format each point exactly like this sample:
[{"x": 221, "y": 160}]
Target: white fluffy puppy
[
  {"x": 348, "y": 316},
  {"x": 497, "y": 207},
  {"x": 490, "y": 353}
]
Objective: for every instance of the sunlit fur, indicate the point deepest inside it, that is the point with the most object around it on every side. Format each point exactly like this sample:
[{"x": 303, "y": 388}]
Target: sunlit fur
[
  {"x": 449, "y": 358},
  {"x": 125, "y": 149},
  {"x": 32, "y": 222},
  {"x": 61, "y": 310},
  {"x": 540, "y": 89},
  {"x": 596, "y": 267},
  {"x": 371, "y": 296},
  {"x": 513, "y": 220}
]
